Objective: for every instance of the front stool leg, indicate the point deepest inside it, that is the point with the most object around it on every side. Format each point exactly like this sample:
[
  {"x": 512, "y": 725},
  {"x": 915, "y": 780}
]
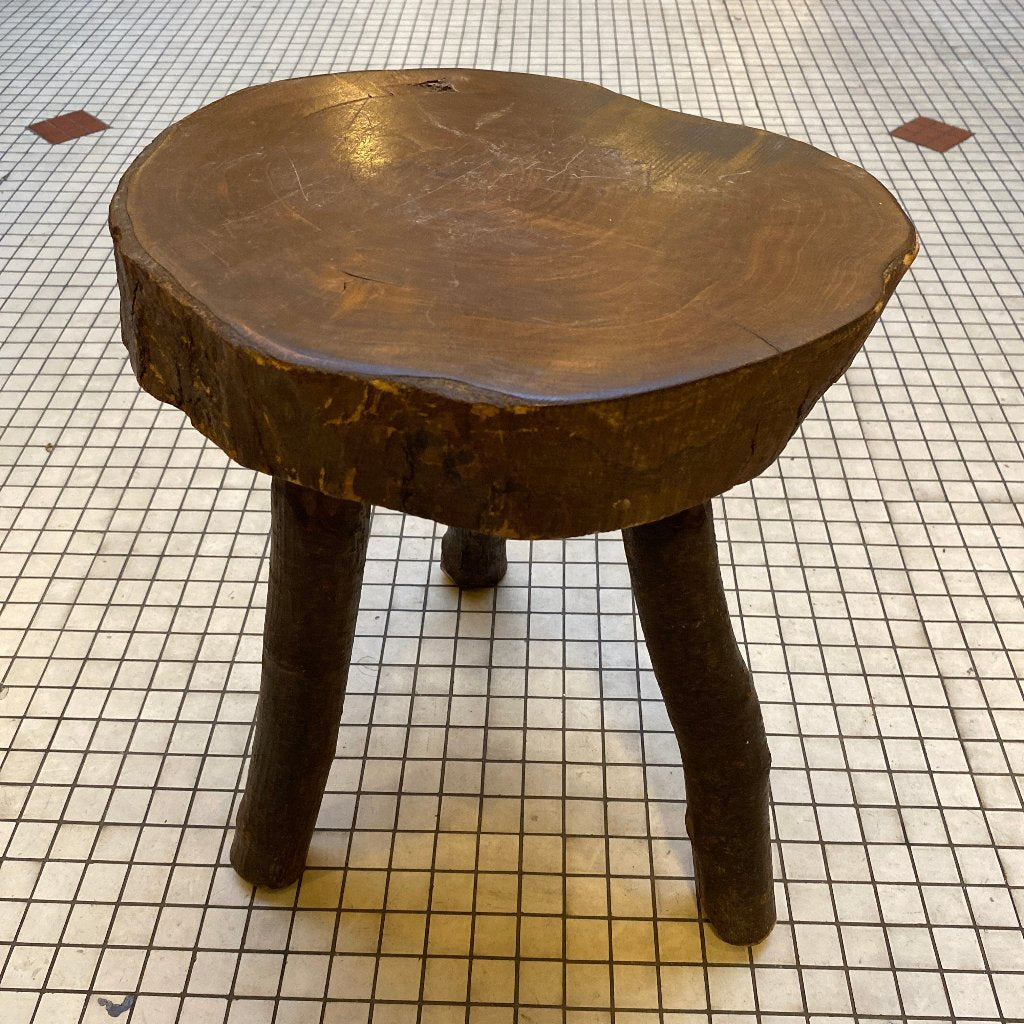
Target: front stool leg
[
  {"x": 714, "y": 711},
  {"x": 317, "y": 553},
  {"x": 473, "y": 559}
]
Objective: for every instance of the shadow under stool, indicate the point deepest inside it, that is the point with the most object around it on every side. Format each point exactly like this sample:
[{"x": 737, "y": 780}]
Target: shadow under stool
[{"x": 521, "y": 306}]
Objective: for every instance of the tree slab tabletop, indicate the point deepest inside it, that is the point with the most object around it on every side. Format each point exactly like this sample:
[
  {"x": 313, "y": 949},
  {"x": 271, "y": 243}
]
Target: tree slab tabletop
[{"x": 516, "y": 304}]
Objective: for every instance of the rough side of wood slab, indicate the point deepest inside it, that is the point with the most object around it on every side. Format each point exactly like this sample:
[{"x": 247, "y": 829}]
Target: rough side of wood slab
[{"x": 528, "y": 471}]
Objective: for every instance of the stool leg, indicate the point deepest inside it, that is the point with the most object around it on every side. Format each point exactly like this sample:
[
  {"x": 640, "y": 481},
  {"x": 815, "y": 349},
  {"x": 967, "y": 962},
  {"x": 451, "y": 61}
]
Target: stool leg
[
  {"x": 473, "y": 559},
  {"x": 317, "y": 552},
  {"x": 714, "y": 711}
]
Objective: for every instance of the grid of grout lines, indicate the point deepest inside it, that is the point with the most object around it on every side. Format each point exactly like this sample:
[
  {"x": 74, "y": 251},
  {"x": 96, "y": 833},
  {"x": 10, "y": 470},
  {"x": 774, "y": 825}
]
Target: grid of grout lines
[{"x": 502, "y": 840}]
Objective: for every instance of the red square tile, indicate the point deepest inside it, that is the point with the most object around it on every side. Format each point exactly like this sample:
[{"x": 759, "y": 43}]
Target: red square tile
[
  {"x": 67, "y": 127},
  {"x": 926, "y": 131}
]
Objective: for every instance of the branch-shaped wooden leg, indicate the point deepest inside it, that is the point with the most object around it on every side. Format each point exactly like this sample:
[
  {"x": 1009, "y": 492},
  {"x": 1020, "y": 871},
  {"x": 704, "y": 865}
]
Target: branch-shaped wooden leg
[
  {"x": 714, "y": 711},
  {"x": 473, "y": 559},
  {"x": 317, "y": 553}
]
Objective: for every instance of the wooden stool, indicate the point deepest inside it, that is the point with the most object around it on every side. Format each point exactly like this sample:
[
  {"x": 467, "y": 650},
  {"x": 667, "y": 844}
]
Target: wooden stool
[{"x": 524, "y": 307}]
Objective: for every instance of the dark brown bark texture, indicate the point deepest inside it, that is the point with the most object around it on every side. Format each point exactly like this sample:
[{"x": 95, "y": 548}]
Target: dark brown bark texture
[
  {"x": 473, "y": 559},
  {"x": 715, "y": 714},
  {"x": 317, "y": 553}
]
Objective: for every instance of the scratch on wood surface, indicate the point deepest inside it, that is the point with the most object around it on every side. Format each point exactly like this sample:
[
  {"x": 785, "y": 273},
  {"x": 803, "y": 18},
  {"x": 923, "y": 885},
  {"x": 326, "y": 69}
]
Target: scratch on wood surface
[
  {"x": 363, "y": 277},
  {"x": 444, "y": 184},
  {"x": 750, "y": 330},
  {"x": 568, "y": 163},
  {"x": 734, "y": 174},
  {"x": 342, "y": 103},
  {"x": 492, "y": 116},
  {"x": 216, "y": 255},
  {"x": 298, "y": 179}
]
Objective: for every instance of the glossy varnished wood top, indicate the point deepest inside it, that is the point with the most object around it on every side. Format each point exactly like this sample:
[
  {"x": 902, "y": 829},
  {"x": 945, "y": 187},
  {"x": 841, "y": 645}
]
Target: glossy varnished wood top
[
  {"x": 537, "y": 238},
  {"x": 475, "y": 248}
]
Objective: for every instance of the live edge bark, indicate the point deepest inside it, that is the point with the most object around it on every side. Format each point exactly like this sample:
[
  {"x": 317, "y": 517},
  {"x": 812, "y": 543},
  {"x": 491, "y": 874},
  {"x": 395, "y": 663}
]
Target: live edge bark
[
  {"x": 317, "y": 553},
  {"x": 715, "y": 714},
  {"x": 473, "y": 559}
]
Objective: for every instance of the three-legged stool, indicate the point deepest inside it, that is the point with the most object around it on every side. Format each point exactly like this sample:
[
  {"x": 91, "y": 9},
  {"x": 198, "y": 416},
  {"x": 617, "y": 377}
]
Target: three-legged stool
[{"x": 521, "y": 306}]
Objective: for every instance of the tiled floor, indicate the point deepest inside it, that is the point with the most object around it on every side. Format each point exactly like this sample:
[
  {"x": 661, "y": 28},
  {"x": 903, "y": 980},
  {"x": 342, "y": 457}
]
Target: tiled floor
[{"x": 502, "y": 840}]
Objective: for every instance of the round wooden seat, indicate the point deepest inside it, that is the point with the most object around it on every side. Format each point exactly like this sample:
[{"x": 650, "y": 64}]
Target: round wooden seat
[{"x": 522, "y": 305}]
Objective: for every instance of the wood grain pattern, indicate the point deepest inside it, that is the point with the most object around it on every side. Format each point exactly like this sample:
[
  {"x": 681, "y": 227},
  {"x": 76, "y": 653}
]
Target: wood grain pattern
[
  {"x": 515, "y": 304},
  {"x": 716, "y": 717}
]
